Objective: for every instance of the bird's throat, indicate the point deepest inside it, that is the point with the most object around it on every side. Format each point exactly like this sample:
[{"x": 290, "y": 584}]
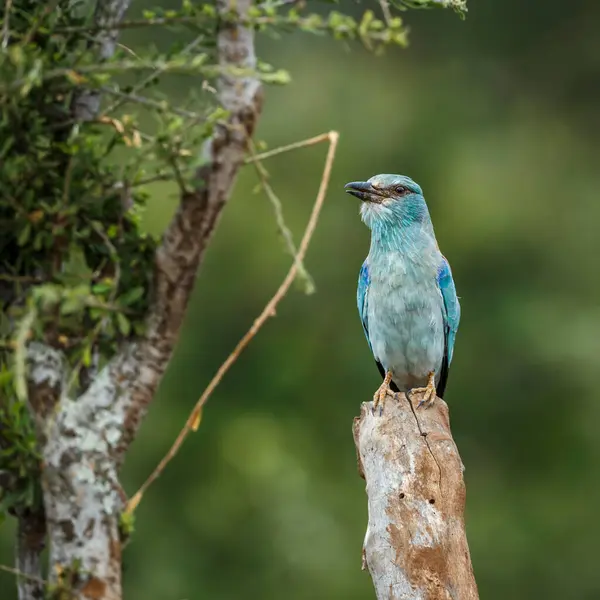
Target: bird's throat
[{"x": 412, "y": 240}]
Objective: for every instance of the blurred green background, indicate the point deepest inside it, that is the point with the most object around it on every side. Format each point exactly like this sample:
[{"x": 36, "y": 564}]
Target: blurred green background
[{"x": 497, "y": 118}]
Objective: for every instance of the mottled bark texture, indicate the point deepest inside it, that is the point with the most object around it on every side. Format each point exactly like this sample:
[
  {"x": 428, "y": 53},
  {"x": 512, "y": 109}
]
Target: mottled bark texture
[
  {"x": 415, "y": 546},
  {"x": 84, "y": 440}
]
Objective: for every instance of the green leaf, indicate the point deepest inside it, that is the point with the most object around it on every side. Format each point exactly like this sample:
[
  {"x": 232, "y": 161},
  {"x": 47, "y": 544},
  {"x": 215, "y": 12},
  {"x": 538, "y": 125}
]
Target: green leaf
[
  {"x": 38, "y": 241},
  {"x": 96, "y": 313},
  {"x": 75, "y": 268},
  {"x": 139, "y": 327},
  {"x": 24, "y": 235},
  {"x": 131, "y": 296},
  {"x": 124, "y": 324},
  {"x": 48, "y": 295},
  {"x": 103, "y": 287},
  {"x": 72, "y": 304},
  {"x": 5, "y": 377},
  {"x": 86, "y": 357}
]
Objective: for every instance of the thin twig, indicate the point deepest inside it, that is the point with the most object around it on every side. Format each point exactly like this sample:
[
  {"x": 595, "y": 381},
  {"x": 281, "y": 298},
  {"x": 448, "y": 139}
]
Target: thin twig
[
  {"x": 20, "y": 278},
  {"x": 78, "y": 75},
  {"x": 263, "y": 176},
  {"x": 301, "y": 144},
  {"x": 114, "y": 255},
  {"x": 385, "y": 9},
  {"x": 193, "y": 420},
  {"x": 6, "y": 25},
  {"x": 257, "y": 21},
  {"x": 134, "y": 23},
  {"x": 129, "y": 50},
  {"x": 152, "y": 76},
  {"x": 160, "y": 106},
  {"x": 18, "y": 573}
]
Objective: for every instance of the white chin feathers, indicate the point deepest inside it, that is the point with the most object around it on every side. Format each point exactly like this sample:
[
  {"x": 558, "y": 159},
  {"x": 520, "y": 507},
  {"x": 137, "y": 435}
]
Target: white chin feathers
[{"x": 371, "y": 212}]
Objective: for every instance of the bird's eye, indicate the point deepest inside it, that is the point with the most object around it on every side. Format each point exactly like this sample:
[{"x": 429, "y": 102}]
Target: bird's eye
[{"x": 401, "y": 190}]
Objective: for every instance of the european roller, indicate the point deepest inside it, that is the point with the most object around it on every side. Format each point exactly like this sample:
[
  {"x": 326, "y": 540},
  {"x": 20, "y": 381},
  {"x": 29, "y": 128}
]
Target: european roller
[{"x": 406, "y": 295}]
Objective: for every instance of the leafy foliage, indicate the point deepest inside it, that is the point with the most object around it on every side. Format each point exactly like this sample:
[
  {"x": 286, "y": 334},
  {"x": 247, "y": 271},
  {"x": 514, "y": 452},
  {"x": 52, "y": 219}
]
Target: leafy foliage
[
  {"x": 459, "y": 6},
  {"x": 73, "y": 254}
]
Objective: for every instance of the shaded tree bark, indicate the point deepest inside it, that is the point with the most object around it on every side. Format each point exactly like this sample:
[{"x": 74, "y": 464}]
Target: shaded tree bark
[
  {"x": 31, "y": 539},
  {"x": 415, "y": 546}
]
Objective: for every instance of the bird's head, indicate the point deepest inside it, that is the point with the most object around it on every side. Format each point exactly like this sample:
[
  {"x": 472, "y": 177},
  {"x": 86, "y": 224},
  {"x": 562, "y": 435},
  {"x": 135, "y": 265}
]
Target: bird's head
[{"x": 389, "y": 200}]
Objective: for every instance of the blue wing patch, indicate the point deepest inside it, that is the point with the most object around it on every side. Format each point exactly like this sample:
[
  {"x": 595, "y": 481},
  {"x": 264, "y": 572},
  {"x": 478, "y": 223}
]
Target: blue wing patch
[
  {"x": 451, "y": 320},
  {"x": 451, "y": 305},
  {"x": 362, "y": 298}
]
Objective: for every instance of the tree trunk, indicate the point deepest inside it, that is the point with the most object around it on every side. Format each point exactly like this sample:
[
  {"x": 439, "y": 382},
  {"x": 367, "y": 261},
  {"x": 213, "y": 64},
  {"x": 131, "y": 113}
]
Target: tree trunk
[
  {"x": 415, "y": 546},
  {"x": 83, "y": 441}
]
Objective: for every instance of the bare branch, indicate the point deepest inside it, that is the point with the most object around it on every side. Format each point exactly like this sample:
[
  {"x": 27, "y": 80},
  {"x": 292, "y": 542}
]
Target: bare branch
[
  {"x": 193, "y": 420},
  {"x": 322, "y": 137},
  {"x": 415, "y": 545},
  {"x": 107, "y": 16}
]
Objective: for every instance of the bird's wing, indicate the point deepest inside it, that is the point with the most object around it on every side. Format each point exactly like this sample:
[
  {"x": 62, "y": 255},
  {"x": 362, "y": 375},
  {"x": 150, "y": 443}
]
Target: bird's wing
[
  {"x": 362, "y": 299},
  {"x": 451, "y": 319}
]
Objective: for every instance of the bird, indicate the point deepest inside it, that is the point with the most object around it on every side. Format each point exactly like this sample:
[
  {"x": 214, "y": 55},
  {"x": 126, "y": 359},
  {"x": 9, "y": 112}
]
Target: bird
[{"x": 406, "y": 294}]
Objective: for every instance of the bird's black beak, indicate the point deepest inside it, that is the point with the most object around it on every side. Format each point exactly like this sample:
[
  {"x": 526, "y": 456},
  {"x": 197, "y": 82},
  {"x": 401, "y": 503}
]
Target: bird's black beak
[{"x": 360, "y": 189}]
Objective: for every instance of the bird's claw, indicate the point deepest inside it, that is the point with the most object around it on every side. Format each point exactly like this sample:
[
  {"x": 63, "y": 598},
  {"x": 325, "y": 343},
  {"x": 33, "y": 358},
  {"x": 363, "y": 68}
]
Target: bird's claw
[
  {"x": 428, "y": 399},
  {"x": 379, "y": 399},
  {"x": 429, "y": 393},
  {"x": 381, "y": 394}
]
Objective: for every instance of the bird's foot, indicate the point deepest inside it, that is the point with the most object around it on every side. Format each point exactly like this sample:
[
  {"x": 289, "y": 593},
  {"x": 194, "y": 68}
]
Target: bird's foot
[
  {"x": 382, "y": 393},
  {"x": 429, "y": 392}
]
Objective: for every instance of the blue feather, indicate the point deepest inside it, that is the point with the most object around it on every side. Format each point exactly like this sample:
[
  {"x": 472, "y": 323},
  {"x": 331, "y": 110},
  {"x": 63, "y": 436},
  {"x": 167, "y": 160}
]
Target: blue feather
[
  {"x": 361, "y": 298},
  {"x": 451, "y": 305}
]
